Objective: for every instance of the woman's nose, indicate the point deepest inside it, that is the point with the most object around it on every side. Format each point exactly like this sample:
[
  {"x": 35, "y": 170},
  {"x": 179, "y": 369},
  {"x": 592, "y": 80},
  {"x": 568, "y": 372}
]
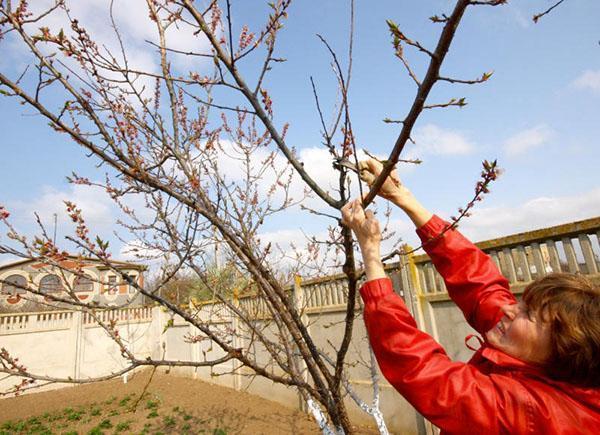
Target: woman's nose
[{"x": 510, "y": 310}]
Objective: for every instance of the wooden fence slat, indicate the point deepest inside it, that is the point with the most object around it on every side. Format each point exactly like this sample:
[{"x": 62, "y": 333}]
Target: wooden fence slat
[
  {"x": 422, "y": 279},
  {"x": 494, "y": 256},
  {"x": 441, "y": 285},
  {"x": 523, "y": 263},
  {"x": 571, "y": 257},
  {"x": 431, "y": 284},
  {"x": 509, "y": 264},
  {"x": 588, "y": 254},
  {"x": 538, "y": 259},
  {"x": 553, "y": 256}
]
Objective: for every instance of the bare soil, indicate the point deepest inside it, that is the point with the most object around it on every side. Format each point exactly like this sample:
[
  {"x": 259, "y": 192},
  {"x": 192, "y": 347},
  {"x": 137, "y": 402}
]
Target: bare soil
[{"x": 171, "y": 405}]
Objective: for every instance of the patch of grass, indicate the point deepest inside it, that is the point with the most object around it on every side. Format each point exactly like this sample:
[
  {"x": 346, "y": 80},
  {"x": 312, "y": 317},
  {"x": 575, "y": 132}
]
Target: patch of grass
[
  {"x": 54, "y": 417},
  {"x": 101, "y": 418},
  {"x": 105, "y": 424},
  {"x": 73, "y": 415},
  {"x": 123, "y": 426},
  {"x": 34, "y": 421},
  {"x": 125, "y": 400},
  {"x": 16, "y": 426},
  {"x": 111, "y": 400},
  {"x": 169, "y": 421},
  {"x": 151, "y": 404},
  {"x": 32, "y": 426}
]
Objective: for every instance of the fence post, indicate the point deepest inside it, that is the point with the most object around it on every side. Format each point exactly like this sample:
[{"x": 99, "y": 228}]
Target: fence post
[
  {"x": 410, "y": 277},
  {"x": 76, "y": 331},
  {"x": 194, "y": 350},
  {"x": 158, "y": 340},
  {"x": 235, "y": 340},
  {"x": 299, "y": 304}
]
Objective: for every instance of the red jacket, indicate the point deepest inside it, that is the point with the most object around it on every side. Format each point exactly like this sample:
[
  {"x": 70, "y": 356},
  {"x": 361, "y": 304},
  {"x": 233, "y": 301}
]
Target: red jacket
[{"x": 493, "y": 392}]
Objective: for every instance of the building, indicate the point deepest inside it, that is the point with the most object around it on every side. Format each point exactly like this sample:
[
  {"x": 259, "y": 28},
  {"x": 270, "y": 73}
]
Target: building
[{"x": 89, "y": 279}]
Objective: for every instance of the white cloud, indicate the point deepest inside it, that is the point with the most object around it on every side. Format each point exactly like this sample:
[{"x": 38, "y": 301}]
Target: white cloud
[
  {"x": 528, "y": 139},
  {"x": 317, "y": 161},
  {"x": 588, "y": 80},
  {"x": 433, "y": 140},
  {"x": 135, "y": 28},
  {"x": 96, "y": 207},
  {"x": 536, "y": 213}
]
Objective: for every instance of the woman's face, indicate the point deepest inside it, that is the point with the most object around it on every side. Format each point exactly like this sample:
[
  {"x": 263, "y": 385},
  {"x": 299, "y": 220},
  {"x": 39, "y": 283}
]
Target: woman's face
[{"x": 521, "y": 335}]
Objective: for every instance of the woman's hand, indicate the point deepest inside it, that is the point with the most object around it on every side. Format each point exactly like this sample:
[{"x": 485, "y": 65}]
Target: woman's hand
[
  {"x": 394, "y": 191},
  {"x": 368, "y": 233}
]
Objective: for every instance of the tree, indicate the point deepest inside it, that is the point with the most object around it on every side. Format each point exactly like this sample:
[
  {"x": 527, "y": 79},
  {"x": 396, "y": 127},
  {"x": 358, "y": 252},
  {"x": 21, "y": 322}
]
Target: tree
[{"x": 168, "y": 138}]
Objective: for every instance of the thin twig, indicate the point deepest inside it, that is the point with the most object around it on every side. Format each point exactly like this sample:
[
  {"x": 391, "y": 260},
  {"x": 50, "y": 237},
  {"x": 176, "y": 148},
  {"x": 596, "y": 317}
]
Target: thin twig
[{"x": 546, "y": 12}]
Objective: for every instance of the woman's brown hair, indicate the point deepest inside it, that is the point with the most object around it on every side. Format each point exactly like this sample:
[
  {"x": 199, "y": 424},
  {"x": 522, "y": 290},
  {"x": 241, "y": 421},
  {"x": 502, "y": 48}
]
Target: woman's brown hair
[{"x": 571, "y": 305}]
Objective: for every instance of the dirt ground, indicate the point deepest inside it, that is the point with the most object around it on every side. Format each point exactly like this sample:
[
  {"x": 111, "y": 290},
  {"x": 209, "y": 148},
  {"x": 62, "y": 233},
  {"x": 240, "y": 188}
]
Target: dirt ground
[{"x": 172, "y": 404}]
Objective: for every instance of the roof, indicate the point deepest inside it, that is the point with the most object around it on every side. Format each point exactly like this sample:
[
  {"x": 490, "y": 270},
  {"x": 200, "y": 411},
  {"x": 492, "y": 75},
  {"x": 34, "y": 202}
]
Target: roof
[{"x": 101, "y": 266}]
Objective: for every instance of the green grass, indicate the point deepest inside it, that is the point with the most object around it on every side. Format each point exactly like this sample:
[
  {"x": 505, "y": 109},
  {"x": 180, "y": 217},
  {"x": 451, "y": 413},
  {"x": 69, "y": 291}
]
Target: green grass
[
  {"x": 125, "y": 400},
  {"x": 73, "y": 415},
  {"x": 169, "y": 421},
  {"x": 106, "y": 418},
  {"x": 152, "y": 404},
  {"x": 123, "y": 426},
  {"x": 110, "y": 401},
  {"x": 105, "y": 424},
  {"x": 33, "y": 425}
]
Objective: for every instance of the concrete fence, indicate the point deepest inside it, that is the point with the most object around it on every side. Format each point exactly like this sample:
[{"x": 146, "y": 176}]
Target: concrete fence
[
  {"x": 72, "y": 344},
  {"x": 69, "y": 343}
]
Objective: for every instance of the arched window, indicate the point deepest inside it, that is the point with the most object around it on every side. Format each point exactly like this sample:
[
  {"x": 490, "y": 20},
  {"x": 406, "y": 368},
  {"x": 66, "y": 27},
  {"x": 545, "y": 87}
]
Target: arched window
[
  {"x": 83, "y": 284},
  {"x": 50, "y": 284},
  {"x": 14, "y": 285}
]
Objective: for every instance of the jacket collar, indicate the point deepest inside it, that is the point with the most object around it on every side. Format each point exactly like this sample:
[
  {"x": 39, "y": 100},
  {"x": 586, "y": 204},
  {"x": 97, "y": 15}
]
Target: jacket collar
[{"x": 504, "y": 360}]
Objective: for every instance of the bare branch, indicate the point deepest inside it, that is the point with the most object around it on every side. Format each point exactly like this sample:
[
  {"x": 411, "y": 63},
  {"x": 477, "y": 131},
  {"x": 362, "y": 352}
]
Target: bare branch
[
  {"x": 453, "y": 102},
  {"x": 536, "y": 17},
  {"x": 484, "y": 78},
  {"x": 427, "y": 84}
]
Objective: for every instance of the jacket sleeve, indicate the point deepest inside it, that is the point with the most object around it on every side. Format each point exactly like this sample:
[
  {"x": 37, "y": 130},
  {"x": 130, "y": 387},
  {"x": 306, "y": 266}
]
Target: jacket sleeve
[
  {"x": 473, "y": 281},
  {"x": 452, "y": 395}
]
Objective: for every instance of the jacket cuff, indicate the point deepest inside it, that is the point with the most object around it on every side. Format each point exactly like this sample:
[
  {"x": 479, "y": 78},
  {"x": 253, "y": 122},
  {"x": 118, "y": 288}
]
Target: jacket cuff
[
  {"x": 431, "y": 229},
  {"x": 376, "y": 289}
]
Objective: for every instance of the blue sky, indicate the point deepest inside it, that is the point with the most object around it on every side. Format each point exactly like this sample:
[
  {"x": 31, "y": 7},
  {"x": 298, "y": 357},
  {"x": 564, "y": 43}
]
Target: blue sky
[{"x": 538, "y": 114}]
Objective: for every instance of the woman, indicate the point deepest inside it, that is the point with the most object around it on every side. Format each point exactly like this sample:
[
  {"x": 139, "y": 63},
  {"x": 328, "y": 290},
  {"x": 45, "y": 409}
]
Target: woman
[{"x": 538, "y": 369}]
